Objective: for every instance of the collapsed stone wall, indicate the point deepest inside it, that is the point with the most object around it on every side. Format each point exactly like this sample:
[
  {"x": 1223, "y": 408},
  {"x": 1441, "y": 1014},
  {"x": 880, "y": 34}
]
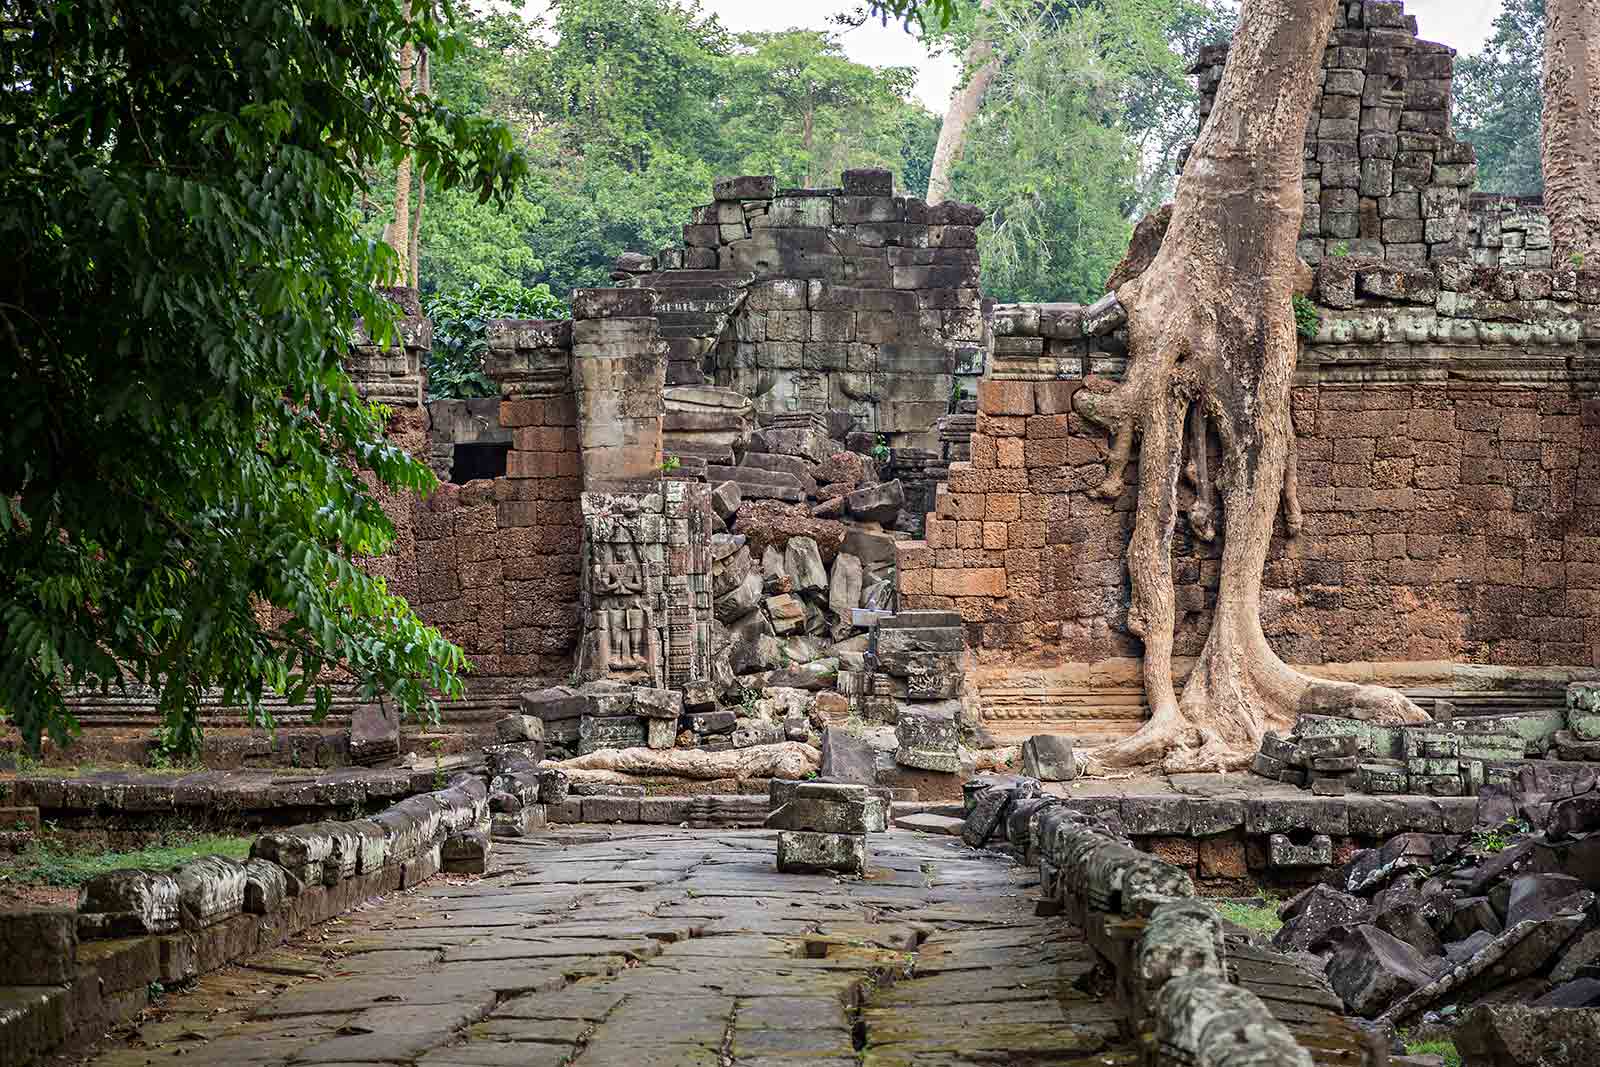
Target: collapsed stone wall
[{"x": 861, "y": 304}]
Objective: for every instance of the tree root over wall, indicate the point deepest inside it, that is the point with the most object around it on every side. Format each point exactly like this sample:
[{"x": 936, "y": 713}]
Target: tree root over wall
[{"x": 1212, "y": 348}]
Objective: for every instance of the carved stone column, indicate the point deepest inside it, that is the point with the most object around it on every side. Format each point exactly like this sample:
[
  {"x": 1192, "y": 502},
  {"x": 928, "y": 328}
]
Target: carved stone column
[{"x": 647, "y": 560}]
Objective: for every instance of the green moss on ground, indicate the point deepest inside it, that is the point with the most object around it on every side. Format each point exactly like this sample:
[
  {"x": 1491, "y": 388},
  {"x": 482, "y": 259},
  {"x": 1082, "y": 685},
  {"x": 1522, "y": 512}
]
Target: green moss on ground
[
  {"x": 49, "y": 863},
  {"x": 1441, "y": 1047},
  {"x": 1258, "y": 915}
]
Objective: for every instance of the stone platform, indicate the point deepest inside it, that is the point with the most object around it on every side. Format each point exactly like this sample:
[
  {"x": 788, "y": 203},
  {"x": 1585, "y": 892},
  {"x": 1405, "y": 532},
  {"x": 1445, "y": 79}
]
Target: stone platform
[
  {"x": 1236, "y": 831},
  {"x": 674, "y": 947}
]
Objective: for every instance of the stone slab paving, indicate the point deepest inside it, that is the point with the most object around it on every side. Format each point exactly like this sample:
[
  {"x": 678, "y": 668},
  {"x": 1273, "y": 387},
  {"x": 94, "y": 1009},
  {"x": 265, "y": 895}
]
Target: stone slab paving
[{"x": 666, "y": 947}]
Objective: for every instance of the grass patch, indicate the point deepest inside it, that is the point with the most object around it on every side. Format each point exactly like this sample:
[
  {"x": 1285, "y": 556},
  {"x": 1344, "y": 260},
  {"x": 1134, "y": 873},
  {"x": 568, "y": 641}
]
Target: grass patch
[
  {"x": 1252, "y": 915},
  {"x": 52, "y": 864},
  {"x": 1441, "y": 1047}
]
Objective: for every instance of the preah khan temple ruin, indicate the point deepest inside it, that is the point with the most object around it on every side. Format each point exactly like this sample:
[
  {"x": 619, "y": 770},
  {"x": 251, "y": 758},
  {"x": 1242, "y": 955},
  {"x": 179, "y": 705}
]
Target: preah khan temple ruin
[{"x": 856, "y": 668}]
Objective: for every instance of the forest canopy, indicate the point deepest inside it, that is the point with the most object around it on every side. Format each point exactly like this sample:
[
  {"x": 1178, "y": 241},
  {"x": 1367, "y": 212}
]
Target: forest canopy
[{"x": 628, "y": 109}]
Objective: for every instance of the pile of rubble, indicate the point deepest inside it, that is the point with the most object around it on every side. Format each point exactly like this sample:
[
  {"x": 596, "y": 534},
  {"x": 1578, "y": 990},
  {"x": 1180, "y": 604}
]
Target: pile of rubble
[
  {"x": 1428, "y": 925},
  {"x": 1454, "y": 756}
]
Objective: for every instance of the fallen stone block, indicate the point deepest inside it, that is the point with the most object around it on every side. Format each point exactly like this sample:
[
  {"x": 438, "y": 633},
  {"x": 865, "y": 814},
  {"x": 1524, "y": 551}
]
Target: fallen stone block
[
  {"x": 1538, "y": 896},
  {"x": 127, "y": 903},
  {"x": 805, "y": 852},
  {"x": 374, "y": 734},
  {"x": 1578, "y": 993},
  {"x": 926, "y": 737},
  {"x": 466, "y": 853},
  {"x": 532, "y": 818},
  {"x": 519, "y": 728},
  {"x": 1318, "y": 919},
  {"x": 1372, "y": 970},
  {"x": 553, "y": 786},
  {"x": 1373, "y": 868},
  {"x": 929, "y": 823},
  {"x": 37, "y": 947},
  {"x": 1402, "y": 913},
  {"x": 1520, "y": 951},
  {"x": 841, "y": 813},
  {"x": 1574, "y": 815},
  {"x": 1049, "y": 758},
  {"x": 877, "y": 503},
  {"x": 1516, "y": 1035}
]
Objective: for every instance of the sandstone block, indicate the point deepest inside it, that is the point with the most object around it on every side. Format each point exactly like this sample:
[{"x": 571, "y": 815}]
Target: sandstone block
[
  {"x": 210, "y": 889},
  {"x": 466, "y": 853},
  {"x": 927, "y": 738},
  {"x": 1049, "y": 758},
  {"x": 129, "y": 903},
  {"x": 804, "y": 852},
  {"x": 38, "y": 947}
]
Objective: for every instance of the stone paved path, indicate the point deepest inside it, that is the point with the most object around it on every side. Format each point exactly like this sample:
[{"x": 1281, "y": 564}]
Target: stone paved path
[{"x": 671, "y": 947}]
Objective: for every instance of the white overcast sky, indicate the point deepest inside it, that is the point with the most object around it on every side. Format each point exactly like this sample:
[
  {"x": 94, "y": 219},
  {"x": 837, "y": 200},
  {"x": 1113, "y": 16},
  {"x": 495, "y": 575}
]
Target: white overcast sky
[{"x": 1461, "y": 24}]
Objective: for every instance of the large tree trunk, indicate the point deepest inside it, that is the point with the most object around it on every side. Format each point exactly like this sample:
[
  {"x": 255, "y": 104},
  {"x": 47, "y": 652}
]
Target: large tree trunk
[
  {"x": 414, "y": 252},
  {"x": 400, "y": 226},
  {"x": 1212, "y": 342},
  {"x": 980, "y": 66},
  {"x": 1570, "y": 139}
]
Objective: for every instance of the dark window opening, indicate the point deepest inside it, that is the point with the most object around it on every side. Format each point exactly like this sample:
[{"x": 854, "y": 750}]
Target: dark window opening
[{"x": 475, "y": 461}]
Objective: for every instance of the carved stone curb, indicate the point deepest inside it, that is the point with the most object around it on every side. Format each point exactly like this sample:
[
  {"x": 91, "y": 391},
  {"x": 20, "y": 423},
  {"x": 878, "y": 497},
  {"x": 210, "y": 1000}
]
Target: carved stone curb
[
  {"x": 1164, "y": 948},
  {"x": 134, "y": 928}
]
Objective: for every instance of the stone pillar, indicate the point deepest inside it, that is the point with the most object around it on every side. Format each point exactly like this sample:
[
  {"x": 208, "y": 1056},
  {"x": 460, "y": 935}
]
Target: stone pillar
[
  {"x": 619, "y": 366},
  {"x": 647, "y": 554}
]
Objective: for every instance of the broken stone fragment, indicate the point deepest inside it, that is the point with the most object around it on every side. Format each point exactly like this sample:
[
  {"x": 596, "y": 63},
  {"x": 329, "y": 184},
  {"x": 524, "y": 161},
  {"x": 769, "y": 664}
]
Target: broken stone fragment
[
  {"x": 131, "y": 902},
  {"x": 805, "y": 852},
  {"x": 802, "y": 562},
  {"x": 927, "y": 738},
  {"x": 877, "y": 503},
  {"x": 1049, "y": 758},
  {"x": 725, "y": 500},
  {"x": 1318, "y": 919},
  {"x": 520, "y": 728},
  {"x": 1372, "y": 969},
  {"x": 1517, "y": 1035}
]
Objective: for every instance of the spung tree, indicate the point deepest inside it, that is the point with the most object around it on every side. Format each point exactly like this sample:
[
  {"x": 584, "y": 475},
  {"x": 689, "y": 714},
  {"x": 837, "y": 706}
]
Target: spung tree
[
  {"x": 1570, "y": 130},
  {"x": 1211, "y": 349},
  {"x": 188, "y": 476}
]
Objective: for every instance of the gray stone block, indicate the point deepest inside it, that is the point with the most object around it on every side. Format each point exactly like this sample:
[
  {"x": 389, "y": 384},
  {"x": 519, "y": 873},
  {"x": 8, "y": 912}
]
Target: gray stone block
[
  {"x": 803, "y": 852},
  {"x": 131, "y": 902},
  {"x": 210, "y": 889},
  {"x": 927, "y": 737},
  {"x": 38, "y": 947}
]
